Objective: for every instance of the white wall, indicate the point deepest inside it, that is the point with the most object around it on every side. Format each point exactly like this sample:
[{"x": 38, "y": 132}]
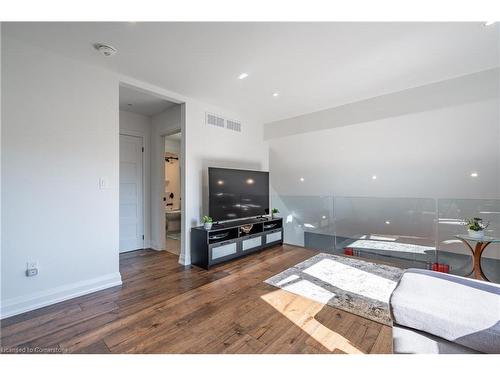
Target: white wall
[
  {"x": 420, "y": 143},
  {"x": 212, "y": 146},
  {"x": 424, "y": 155},
  {"x": 140, "y": 125},
  {"x": 203, "y": 146},
  {"x": 59, "y": 136}
]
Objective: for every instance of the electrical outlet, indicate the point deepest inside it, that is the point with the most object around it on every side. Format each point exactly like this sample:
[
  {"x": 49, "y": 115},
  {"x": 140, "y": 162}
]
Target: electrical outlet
[
  {"x": 31, "y": 269},
  {"x": 32, "y": 272},
  {"x": 30, "y": 265}
]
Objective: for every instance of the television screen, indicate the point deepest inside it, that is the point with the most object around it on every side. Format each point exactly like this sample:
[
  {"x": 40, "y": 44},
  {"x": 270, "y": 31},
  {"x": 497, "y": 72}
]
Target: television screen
[{"x": 237, "y": 193}]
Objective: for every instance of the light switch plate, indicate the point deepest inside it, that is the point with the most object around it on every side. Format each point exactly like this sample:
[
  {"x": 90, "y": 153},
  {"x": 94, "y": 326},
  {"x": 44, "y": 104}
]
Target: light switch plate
[{"x": 103, "y": 183}]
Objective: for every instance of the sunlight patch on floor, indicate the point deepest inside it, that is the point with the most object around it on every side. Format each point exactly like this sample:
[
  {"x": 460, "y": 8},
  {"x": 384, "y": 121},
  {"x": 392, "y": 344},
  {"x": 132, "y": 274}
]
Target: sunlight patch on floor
[
  {"x": 352, "y": 279},
  {"x": 306, "y": 288},
  {"x": 302, "y": 311}
]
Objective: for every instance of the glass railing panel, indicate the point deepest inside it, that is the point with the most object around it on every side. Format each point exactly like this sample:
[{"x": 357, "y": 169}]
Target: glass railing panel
[
  {"x": 396, "y": 230},
  {"x": 307, "y": 220},
  {"x": 402, "y": 231},
  {"x": 452, "y": 251}
]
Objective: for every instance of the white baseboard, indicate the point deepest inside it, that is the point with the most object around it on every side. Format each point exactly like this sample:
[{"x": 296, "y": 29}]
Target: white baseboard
[
  {"x": 19, "y": 305},
  {"x": 183, "y": 260},
  {"x": 157, "y": 246}
]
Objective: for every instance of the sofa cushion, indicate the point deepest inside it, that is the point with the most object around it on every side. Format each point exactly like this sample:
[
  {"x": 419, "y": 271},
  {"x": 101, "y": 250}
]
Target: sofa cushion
[
  {"x": 455, "y": 308},
  {"x": 410, "y": 341}
]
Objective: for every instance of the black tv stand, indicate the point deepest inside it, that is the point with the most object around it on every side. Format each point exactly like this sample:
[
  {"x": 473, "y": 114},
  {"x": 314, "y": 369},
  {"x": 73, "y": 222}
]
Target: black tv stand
[{"x": 234, "y": 239}]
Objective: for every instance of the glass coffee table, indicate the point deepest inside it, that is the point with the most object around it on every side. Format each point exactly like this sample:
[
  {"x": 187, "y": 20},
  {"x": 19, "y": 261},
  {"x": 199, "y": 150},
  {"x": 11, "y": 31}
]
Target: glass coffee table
[{"x": 477, "y": 246}]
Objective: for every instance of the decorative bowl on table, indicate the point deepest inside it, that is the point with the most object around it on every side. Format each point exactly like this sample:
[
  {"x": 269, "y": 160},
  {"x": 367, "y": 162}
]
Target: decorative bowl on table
[{"x": 246, "y": 228}]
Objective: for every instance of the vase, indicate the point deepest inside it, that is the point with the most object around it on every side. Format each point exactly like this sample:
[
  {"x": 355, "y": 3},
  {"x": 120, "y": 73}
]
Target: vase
[
  {"x": 207, "y": 226},
  {"x": 477, "y": 234}
]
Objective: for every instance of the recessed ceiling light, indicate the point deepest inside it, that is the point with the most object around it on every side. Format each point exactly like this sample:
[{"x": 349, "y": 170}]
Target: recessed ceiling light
[
  {"x": 243, "y": 76},
  {"x": 474, "y": 174},
  {"x": 302, "y": 179},
  {"x": 374, "y": 177},
  {"x": 323, "y": 217},
  {"x": 489, "y": 23},
  {"x": 276, "y": 94},
  {"x": 387, "y": 222},
  {"x": 105, "y": 49}
]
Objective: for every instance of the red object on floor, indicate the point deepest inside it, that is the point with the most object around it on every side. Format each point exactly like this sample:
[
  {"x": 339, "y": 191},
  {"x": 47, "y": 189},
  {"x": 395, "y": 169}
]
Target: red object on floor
[
  {"x": 441, "y": 267},
  {"x": 348, "y": 251}
]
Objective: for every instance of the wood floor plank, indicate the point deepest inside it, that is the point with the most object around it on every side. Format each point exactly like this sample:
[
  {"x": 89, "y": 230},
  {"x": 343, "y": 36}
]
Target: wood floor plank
[
  {"x": 383, "y": 343},
  {"x": 163, "y": 307},
  {"x": 55, "y": 325},
  {"x": 96, "y": 348}
]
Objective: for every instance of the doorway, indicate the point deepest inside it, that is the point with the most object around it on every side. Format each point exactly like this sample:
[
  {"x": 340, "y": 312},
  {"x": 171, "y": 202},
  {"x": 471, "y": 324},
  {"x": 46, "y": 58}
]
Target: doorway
[
  {"x": 172, "y": 197},
  {"x": 147, "y": 122}
]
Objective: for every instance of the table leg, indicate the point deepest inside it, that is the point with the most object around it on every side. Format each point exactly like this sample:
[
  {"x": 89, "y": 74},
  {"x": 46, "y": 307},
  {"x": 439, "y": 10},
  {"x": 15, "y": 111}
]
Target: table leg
[{"x": 478, "y": 251}]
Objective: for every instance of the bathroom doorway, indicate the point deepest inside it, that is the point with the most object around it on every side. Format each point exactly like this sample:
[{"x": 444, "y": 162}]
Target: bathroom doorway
[{"x": 172, "y": 193}]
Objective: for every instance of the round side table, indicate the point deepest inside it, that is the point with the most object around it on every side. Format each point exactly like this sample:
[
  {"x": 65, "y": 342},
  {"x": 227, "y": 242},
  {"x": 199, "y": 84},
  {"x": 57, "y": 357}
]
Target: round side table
[{"x": 477, "y": 246}]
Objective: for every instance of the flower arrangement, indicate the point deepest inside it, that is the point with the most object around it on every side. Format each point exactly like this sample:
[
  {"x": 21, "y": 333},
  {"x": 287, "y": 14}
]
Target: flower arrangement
[
  {"x": 476, "y": 226},
  {"x": 207, "y": 222}
]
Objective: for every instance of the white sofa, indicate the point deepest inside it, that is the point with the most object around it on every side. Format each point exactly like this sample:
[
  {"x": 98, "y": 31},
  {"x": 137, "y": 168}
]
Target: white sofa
[{"x": 440, "y": 313}]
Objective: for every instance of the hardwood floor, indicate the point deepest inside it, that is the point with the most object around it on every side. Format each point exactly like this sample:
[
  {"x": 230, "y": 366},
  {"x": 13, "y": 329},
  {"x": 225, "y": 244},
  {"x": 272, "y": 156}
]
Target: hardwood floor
[{"x": 163, "y": 307}]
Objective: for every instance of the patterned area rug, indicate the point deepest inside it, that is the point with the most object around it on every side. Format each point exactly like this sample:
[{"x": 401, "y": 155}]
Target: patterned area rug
[{"x": 356, "y": 286}]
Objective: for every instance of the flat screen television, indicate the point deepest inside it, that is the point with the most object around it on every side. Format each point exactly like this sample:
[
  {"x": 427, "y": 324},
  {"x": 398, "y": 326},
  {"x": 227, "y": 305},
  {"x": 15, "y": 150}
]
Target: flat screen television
[{"x": 237, "y": 193}]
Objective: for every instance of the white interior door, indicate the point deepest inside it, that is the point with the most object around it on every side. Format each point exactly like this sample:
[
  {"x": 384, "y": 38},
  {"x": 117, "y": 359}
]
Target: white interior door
[{"x": 131, "y": 194}]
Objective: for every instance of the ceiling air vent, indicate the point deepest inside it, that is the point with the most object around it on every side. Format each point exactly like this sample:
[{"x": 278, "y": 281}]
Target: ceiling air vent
[
  {"x": 233, "y": 125},
  {"x": 214, "y": 120}
]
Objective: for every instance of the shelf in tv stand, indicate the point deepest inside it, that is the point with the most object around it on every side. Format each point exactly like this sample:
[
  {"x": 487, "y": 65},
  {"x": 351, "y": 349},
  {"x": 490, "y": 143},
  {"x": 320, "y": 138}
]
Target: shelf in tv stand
[{"x": 229, "y": 241}]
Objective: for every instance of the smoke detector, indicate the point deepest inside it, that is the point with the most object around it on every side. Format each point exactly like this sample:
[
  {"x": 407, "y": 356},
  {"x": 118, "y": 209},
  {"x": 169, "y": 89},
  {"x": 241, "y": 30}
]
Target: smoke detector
[{"x": 105, "y": 49}]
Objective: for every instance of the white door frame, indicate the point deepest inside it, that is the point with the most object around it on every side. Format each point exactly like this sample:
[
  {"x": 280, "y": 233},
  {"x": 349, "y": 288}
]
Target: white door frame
[
  {"x": 133, "y": 133},
  {"x": 125, "y": 81}
]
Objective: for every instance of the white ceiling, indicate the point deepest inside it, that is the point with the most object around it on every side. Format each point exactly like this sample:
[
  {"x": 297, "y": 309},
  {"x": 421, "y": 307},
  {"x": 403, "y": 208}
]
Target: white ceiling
[
  {"x": 139, "y": 102},
  {"x": 312, "y": 65}
]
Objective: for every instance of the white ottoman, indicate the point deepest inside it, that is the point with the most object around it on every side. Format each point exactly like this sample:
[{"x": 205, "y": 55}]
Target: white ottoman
[{"x": 440, "y": 313}]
